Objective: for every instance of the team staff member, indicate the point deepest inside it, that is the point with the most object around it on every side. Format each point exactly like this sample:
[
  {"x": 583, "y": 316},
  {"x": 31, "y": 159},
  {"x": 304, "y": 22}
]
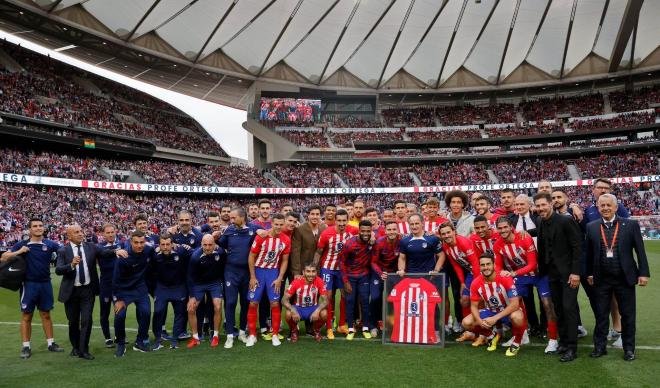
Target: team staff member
[
  {"x": 107, "y": 267},
  {"x": 204, "y": 278},
  {"x": 304, "y": 241},
  {"x": 559, "y": 252},
  {"x": 76, "y": 263},
  {"x": 169, "y": 268},
  {"x": 37, "y": 290},
  {"x": 612, "y": 271},
  {"x": 237, "y": 241},
  {"x": 129, "y": 286}
]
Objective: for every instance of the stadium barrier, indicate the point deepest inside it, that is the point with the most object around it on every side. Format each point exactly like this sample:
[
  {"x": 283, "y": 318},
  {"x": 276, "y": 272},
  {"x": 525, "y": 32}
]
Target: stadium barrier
[{"x": 167, "y": 188}]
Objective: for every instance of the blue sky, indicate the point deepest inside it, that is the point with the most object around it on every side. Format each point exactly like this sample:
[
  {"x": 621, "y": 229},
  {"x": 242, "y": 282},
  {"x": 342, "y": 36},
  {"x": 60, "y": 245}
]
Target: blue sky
[{"x": 221, "y": 122}]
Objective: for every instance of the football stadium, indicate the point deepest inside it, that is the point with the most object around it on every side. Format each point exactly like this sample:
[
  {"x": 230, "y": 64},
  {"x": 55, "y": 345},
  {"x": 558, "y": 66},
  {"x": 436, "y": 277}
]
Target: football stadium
[{"x": 329, "y": 192}]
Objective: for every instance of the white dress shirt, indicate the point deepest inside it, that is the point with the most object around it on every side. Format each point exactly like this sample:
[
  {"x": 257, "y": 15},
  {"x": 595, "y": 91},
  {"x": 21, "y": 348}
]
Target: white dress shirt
[{"x": 83, "y": 262}]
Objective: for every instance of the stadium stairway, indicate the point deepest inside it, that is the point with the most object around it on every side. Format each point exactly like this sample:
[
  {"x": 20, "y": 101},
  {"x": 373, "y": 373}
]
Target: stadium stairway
[
  {"x": 339, "y": 179},
  {"x": 519, "y": 117},
  {"x": 88, "y": 85},
  {"x": 574, "y": 172},
  {"x": 272, "y": 178},
  {"x": 491, "y": 175},
  {"x": 607, "y": 107},
  {"x": 9, "y": 63},
  {"x": 415, "y": 178}
]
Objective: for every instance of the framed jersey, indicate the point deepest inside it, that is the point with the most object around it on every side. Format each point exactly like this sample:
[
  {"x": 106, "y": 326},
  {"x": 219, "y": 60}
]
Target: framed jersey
[{"x": 413, "y": 309}]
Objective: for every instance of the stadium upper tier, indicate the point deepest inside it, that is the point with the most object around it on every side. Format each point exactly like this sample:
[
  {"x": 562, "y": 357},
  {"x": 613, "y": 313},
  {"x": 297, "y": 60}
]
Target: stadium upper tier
[
  {"x": 52, "y": 164},
  {"x": 50, "y": 90}
]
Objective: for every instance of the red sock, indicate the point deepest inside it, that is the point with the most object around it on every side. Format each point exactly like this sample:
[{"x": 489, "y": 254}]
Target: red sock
[
  {"x": 252, "y": 319},
  {"x": 478, "y": 330},
  {"x": 552, "y": 330},
  {"x": 317, "y": 325},
  {"x": 292, "y": 325},
  {"x": 330, "y": 314},
  {"x": 518, "y": 332},
  {"x": 276, "y": 319},
  {"x": 342, "y": 312},
  {"x": 466, "y": 311}
]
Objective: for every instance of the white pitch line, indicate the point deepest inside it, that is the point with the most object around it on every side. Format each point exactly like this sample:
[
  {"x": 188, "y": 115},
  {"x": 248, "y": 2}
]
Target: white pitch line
[{"x": 302, "y": 337}]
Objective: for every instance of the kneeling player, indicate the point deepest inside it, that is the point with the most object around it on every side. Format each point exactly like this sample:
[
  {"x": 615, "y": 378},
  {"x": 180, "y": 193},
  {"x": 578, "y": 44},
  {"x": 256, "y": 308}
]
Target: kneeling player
[
  {"x": 268, "y": 261},
  {"x": 204, "y": 272},
  {"x": 499, "y": 295},
  {"x": 310, "y": 304}
]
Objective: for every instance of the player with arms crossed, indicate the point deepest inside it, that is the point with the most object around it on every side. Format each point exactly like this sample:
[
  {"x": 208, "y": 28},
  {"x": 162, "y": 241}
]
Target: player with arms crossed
[
  {"x": 268, "y": 261},
  {"x": 516, "y": 256},
  {"x": 502, "y": 306},
  {"x": 330, "y": 245},
  {"x": 311, "y": 302}
]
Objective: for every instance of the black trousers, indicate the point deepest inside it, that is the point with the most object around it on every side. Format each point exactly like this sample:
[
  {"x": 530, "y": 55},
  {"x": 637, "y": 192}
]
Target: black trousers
[
  {"x": 589, "y": 290},
  {"x": 624, "y": 293},
  {"x": 78, "y": 311},
  {"x": 565, "y": 300}
]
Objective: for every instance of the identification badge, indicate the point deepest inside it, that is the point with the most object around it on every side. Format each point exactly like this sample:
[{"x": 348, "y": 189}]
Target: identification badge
[{"x": 610, "y": 254}]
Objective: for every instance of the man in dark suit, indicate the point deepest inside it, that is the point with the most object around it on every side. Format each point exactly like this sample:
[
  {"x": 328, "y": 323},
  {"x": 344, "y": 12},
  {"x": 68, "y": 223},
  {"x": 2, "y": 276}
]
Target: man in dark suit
[
  {"x": 559, "y": 252},
  {"x": 304, "y": 241},
  {"x": 524, "y": 218},
  {"x": 612, "y": 270},
  {"x": 76, "y": 263}
]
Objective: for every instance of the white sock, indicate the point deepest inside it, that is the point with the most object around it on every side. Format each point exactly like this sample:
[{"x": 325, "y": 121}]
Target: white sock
[
  {"x": 26, "y": 344},
  {"x": 263, "y": 330},
  {"x": 50, "y": 341},
  {"x": 241, "y": 332},
  {"x": 215, "y": 333},
  {"x": 351, "y": 330},
  {"x": 364, "y": 328},
  {"x": 196, "y": 336}
]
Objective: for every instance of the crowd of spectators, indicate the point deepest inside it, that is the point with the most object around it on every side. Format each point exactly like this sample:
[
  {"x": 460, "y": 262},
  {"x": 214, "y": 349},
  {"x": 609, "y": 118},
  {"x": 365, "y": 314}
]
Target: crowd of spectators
[
  {"x": 549, "y": 108},
  {"x": 445, "y": 134},
  {"x": 536, "y": 129},
  {"x": 622, "y": 101},
  {"x": 376, "y": 176},
  {"x": 47, "y": 90},
  {"x": 623, "y": 164},
  {"x": 305, "y": 176},
  {"x": 620, "y": 121},
  {"x": 306, "y": 138},
  {"x": 530, "y": 170}
]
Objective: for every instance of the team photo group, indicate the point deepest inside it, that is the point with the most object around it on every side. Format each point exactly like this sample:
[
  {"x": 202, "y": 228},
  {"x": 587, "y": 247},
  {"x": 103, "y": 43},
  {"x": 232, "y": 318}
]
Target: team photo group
[{"x": 322, "y": 271}]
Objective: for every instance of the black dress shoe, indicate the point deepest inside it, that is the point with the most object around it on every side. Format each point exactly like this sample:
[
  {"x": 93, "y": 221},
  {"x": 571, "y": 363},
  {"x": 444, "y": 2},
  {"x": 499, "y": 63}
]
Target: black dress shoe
[
  {"x": 597, "y": 353},
  {"x": 562, "y": 349},
  {"x": 629, "y": 355},
  {"x": 86, "y": 356},
  {"x": 570, "y": 355},
  {"x": 74, "y": 353}
]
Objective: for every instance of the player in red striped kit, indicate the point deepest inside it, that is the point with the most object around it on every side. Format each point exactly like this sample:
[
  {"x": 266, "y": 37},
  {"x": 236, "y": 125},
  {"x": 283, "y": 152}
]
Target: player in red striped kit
[
  {"x": 483, "y": 238},
  {"x": 354, "y": 265},
  {"x": 267, "y": 262},
  {"x": 516, "y": 257},
  {"x": 502, "y": 305},
  {"x": 465, "y": 261},
  {"x": 431, "y": 218},
  {"x": 329, "y": 246},
  {"x": 482, "y": 207},
  {"x": 311, "y": 302},
  {"x": 401, "y": 217}
]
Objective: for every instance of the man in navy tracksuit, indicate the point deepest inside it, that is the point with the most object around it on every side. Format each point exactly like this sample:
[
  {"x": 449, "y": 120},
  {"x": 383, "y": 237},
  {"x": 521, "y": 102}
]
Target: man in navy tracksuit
[
  {"x": 129, "y": 286},
  {"x": 169, "y": 268},
  {"x": 205, "y": 280},
  {"x": 237, "y": 241},
  {"x": 107, "y": 267}
]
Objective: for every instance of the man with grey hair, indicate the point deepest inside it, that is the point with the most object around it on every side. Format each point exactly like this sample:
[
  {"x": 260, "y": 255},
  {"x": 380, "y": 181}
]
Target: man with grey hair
[
  {"x": 524, "y": 219},
  {"x": 613, "y": 272}
]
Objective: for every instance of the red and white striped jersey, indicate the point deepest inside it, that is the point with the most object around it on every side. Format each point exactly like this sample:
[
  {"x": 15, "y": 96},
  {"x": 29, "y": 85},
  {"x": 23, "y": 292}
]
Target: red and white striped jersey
[
  {"x": 404, "y": 227},
  {"x": 495, "y": 294},
  {"x": 269, "y": 250},
  {"x": 331, "y": 243},
  {"x": 481, "y": 246},
  {"x": 414, "y": 301},
  {"x": 431, "y": 227},
  {"x": 307, "y": 294},
  {"x": 519, "y": 256}
]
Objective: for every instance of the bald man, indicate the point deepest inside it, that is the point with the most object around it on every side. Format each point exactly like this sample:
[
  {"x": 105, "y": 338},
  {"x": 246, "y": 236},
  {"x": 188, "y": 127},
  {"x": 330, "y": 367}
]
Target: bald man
[{"x": 76, "y": 263}]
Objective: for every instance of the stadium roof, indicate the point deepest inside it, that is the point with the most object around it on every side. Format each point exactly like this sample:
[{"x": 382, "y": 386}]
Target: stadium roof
[{"x": 371, "y": 45}]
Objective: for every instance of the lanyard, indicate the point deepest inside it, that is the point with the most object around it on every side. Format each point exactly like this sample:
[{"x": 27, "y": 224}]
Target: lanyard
[{"x": 609, "y": 247}]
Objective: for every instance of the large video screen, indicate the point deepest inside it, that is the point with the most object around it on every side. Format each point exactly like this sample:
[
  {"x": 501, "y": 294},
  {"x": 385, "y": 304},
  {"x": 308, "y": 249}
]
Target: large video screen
[{"x": 290, "y": 110}]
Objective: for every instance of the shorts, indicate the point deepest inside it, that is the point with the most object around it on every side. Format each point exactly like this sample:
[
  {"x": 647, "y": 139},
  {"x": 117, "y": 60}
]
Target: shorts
[
  {"x": 331, "y": 280},
  {"x": 36, "y": 294},
  {"x": 172, "y": 293},
  {"x": 485, "y": 313},
  {"x": 468, "y": 283},
  {"x": 265, "y": 277},
  {"x": 305, "y": 312},
  {"x": 542, "y": 284},
  {"x": 214, "y": 289}
]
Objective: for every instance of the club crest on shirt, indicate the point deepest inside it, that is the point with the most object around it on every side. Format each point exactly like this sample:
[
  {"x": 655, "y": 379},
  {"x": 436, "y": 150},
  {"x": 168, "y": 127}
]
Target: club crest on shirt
[
  {"x": 217, "y": 257},
  {"x": 271, "y": 255},
  {"x": 251, "y": 233},
  {"x": 44, "y": 248},
  {"x": 228, "y": 283},
  {"x": 192, "y": 241},
  {"x": 281, "y": 246},
  {"x": 340, "y": 245},
  {"x": 494, "y": 301},
  {"x": 424, "y": 245},
  {"x": 252, "y": 294}
]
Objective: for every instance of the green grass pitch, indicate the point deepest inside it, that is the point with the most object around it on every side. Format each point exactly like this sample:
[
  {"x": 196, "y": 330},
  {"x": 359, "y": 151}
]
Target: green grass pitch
[{"x": 339, "y": 363}]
